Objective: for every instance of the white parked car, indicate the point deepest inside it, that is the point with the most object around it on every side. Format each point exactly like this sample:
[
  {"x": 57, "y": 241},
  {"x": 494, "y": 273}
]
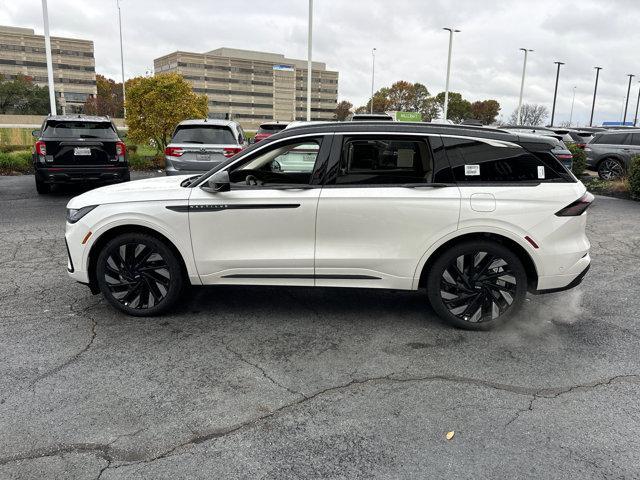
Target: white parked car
[{"x": 476, "y": 216}]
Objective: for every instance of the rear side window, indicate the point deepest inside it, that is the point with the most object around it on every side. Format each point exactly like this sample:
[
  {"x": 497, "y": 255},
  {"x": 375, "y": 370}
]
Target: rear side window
[
  {"x": 79, "y": 129},
  {"x": 611, "y": 139},
  {"x": 216, "y": 135},
  {"x": 474, "y": 161},
  {"x": 380, "y": 160}
]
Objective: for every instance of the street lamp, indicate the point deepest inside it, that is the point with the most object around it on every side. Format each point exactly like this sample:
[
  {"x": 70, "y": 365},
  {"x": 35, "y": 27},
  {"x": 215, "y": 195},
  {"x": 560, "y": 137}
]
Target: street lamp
[
  {"x": 309, "y": 43},
  {"x": 626, "y": 102},
  {"x": 121, "y": 60},
  {"x": 446, "y": 88},
  {"x": 47, "y": 47},
  {"x": 635, "y": 119},
  {"x": 573, "y": 99},
  {"x": 524, "y": 69},
  {"x": 595, "y": 89},
  {"x": 555, "y": 92},
  {"x": 373, "y": 74}
]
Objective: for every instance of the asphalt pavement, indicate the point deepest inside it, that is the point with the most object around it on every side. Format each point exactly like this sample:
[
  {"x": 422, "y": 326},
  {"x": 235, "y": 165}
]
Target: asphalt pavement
[{"x": 284, "y": 383}]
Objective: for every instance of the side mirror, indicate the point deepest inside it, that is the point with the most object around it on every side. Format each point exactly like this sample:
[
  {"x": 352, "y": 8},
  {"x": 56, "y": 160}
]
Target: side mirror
[
  {"x": 35, "y": 133},
  {"x": 219, "y": 182}
]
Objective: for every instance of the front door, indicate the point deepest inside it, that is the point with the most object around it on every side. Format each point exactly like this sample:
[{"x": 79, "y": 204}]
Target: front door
[
  {"x": 389, "y": 198},
  {"x": 262, "y": 231}
]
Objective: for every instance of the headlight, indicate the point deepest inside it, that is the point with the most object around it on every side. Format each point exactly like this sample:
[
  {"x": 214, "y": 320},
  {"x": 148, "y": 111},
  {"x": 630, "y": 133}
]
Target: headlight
[{"x": 75, "y": 214}]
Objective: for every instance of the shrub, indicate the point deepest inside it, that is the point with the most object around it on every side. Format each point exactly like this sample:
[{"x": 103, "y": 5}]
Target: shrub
[
  {"x": 19, "y": 162},
  {"x": 634, "y": 177},
  {"x": 143, "y": 162},
  {"x": 13, "y": 148},
  {"x": 579, "y": 160}
]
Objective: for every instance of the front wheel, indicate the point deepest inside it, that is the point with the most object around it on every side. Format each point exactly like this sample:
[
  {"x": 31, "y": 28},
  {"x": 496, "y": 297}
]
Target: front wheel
[
  {"x": 477, "y": 285},
  {"x": 610, "y": 169},
  {"x": 139, "y": 274}
]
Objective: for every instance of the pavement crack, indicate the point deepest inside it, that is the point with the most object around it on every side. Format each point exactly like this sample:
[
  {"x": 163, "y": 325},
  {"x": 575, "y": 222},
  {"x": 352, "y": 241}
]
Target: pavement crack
[
  {"x": 257, "y": 366},
  {"x": 98, "y": 449}
]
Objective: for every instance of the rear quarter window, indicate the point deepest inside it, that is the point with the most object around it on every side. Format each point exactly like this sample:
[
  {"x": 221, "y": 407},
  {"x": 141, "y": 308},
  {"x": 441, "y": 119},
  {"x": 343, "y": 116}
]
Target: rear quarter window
[
  {"x": 211, "y": 135},
  {"x": 475, "y": 161}
]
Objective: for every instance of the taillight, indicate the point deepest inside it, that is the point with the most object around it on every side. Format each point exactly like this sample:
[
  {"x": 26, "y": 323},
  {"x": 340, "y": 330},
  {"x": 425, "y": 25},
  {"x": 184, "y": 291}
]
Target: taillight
[
  {"x": 581, "y": 145},
  {"x": 564, "y": 156},
  {"x": 576, "y": 208},
  {"x": 41, "y": 148},
  {"x": 173, "y": 151},
  {"x": 121, "y": 149},
  {"x": 230, "y": 151}
]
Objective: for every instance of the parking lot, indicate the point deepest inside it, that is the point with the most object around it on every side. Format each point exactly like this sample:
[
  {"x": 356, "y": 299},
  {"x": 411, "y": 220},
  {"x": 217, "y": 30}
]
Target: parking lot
[{"x": 261, "y": 382}]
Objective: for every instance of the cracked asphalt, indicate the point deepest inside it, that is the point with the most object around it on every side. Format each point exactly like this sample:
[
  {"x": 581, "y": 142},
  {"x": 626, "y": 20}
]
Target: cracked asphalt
[{"x": 284, "y": 383}]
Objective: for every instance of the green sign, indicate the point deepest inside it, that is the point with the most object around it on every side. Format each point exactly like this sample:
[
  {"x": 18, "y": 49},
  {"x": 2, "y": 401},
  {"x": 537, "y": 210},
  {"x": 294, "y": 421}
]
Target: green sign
[{"x": 408, "y": 117}]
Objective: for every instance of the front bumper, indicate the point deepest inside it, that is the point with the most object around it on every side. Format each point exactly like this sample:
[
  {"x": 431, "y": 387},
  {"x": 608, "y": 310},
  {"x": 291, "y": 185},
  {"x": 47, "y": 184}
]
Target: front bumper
[{"x": 73, "y": 175}]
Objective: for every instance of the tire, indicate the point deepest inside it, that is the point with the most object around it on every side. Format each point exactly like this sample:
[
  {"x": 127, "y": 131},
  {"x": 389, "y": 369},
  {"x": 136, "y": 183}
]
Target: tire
[
  {"x": 610, "y": 169},
  {"x": 139, "y": 274},
  {"x": 456, "y": 285},
  {"x": 42, "y": 188}
]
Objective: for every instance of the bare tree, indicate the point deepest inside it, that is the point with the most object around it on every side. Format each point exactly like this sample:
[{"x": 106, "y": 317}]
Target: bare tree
[{"x": 532, "y": 114}]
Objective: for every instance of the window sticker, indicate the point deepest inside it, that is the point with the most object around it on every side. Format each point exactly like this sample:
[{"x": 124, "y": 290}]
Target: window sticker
[
  {"x": 470, "y": 170},
  {"x": 541, "y": 172}
]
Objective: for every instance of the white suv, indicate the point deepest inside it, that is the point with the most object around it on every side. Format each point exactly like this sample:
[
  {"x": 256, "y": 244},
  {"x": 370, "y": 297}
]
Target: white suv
[{"x": 477, "y": 216}]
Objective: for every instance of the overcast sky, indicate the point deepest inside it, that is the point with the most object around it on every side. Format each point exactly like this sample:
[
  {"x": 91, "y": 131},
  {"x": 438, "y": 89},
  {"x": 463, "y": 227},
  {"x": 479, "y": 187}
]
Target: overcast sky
[{"x": 408, "y": 35}]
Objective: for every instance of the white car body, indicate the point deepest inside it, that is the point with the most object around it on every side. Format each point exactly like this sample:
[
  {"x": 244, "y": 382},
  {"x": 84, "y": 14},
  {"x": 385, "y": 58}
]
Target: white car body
[{"x": 372, "y": 237}]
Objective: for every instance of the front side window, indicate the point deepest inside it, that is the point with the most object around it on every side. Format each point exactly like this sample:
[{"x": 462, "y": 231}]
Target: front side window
[
  {"x": 208, "y": 135},
  {"x": 285, "y": 164},
  {"x": 496, "y": 162},
  {"x": 611, "y": 139},
  {"x": 635, "y": 139},
  {"x": 379, "y": 160}
]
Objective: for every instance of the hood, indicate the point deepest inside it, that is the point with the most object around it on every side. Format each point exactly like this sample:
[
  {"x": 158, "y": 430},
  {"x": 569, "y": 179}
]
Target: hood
[{"x": 149, "y": 189}]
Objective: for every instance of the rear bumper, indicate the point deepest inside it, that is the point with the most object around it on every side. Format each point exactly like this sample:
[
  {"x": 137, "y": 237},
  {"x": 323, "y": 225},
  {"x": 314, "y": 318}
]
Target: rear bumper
[
  {"x": 67, "y": 175},
  {"x": 174, "y": 166},
  {"x": 560, "y": 283}
]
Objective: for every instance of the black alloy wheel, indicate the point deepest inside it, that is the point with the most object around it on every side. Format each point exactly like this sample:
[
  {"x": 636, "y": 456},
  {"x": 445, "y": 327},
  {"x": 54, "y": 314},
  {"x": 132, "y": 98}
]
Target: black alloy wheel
[
  {"x": 139, "y": 274},
  {"x": 477, "y": 285},
  {"x": 610, "y": 169}
]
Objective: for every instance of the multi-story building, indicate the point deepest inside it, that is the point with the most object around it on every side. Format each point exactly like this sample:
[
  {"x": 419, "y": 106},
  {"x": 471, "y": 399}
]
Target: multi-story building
[
  {"x": 252, "y": 87},
  {"x": 22, "y": 52}
]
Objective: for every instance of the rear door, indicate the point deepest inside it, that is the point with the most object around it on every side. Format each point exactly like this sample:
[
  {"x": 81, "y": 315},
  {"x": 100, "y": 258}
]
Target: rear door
[
  {"x": 387, "y": 199},
  {"x": 80, "y": 143},
  {"x": 203, "y": 146}
]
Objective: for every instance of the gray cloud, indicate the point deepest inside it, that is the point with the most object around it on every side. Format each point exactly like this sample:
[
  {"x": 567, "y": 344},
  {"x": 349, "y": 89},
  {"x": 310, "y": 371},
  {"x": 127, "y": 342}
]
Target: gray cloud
[{"x": 407, "y": 34}]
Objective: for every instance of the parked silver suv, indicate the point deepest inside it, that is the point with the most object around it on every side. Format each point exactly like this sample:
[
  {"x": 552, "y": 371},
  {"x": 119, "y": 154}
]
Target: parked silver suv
[
  {"x": 609, "y": 152},
  {"x": 199, "y": 145}
]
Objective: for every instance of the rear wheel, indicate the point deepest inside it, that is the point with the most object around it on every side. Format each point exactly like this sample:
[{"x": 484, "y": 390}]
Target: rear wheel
[
  {"x": 42, "y": 188},
  {"x": 139, "y": 274},
  {"x": 610, "y": 169},
  {"x": 477, "y": 285}
]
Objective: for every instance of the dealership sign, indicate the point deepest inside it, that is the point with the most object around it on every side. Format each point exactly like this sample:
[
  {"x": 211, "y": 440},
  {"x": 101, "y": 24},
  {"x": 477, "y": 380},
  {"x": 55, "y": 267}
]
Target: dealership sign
[
  {"x": 408, "y": 117},
  {"x": 284, "y": 68}
]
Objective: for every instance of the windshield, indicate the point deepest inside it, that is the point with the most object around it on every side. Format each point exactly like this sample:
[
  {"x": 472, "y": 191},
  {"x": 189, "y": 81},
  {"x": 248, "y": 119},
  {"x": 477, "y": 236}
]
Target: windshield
[
  {"x": 271, "y": 128},
  {"x": 80, "y": 129},
  {"x": 210, "y": 135}
]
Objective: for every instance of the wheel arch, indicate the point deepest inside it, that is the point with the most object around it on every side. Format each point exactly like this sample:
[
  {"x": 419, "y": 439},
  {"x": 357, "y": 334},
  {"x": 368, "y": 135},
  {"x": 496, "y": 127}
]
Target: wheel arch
[
  {"x": 515, "y": 247},
  {"x": 106, "y": 236},
  {"x": 611, "y": 156}
]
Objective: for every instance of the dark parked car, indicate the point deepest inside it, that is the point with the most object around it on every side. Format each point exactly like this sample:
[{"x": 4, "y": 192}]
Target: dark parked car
[
  {"x": 609, "y": 152},
  {"x": 559, "y": 149},
  {"x": 267, "y": 129},
  {"x": 74, "y": 149}
]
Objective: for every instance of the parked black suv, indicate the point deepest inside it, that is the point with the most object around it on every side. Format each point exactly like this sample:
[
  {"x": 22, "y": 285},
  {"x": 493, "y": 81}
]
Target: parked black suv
[{"x": 78, "y": 149}]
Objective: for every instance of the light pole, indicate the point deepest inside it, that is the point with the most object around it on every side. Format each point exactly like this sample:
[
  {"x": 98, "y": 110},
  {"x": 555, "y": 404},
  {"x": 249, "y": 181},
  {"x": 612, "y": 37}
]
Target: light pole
[
  {"x": 446, "y": 88},
  {"x": 573, "y": 99},
  {"x": 47, "y": 47},
  {"x": 124, "y": 109},
  {"x": 524, "y": 69},
  {"x": 595, "y": 90},
  {"x": 309, "y": 40},
  {"x": 626, "y": 102},
  {"x": 373, "y": 74},
  {"x": 635, "y": 119},
  {"x": 555, "y": 92}
]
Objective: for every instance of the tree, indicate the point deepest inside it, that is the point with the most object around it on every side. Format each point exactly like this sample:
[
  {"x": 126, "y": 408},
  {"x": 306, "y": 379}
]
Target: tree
[
  {"x": 532, "y": 114},
  {"x": 381, "y": 102},
  {"x": 155, "y": 105},
  {"x": 21, "y": 96},
  {"x": 486, "y": 111},
  {"x": 459, "y": 108},
  {"x": 108, "y": 100},
  {"x": 403, "y": 96},
  {"x": 342, "y": 111}
]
